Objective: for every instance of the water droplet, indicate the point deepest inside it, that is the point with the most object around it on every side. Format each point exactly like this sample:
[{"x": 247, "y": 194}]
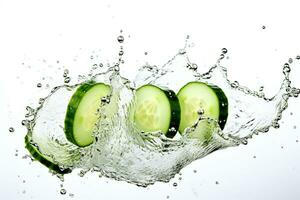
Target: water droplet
[
  {"x": 175, "y": 184},
  {"x": 11, "y": 129},
  {"x": 67, "y": 80},
  {"x": 200, "y": 111},
  {"x": 224, "y": 51},
  {"x": 120, "y": 39},
  {"x": 182, "y": 51},
  {"x": 39, "y": 85},
  {"x": 63, "y": 191},
  {"x": 286, "y": 68},
  {"x": 66, "y": 72}
]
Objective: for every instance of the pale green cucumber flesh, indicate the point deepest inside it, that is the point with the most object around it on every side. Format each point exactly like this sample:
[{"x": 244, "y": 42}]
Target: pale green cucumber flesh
[{"x": 82, "y": 113}]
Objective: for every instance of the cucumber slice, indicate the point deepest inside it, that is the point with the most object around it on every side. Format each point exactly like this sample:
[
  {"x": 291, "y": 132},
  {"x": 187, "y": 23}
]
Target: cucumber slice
[
  {"x": 36, "y": 154},
  {"x": 156, "y": 110},
  {"x": 81, "y": 113},
  {"x": 197, "y": 95}
]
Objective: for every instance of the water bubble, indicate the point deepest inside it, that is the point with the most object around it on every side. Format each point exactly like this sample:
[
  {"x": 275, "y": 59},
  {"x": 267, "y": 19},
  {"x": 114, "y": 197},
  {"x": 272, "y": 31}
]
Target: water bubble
[
  {"x": 224, "y": 51},
  {"x": 290, "y": 60},
  {"x": 194, "y": 66},
  {"x": 63, "y": 191},
  {"x": 297, "y": 140},
  {"x": 222, "y": 56},
  {"x": 11, "y": 129},
  {"x": 175, "y": 184},
  {"x": 254, "y": 156},
  {"x": 121, "y": 53},
  {"x": 168, "y": 197},
  {"x": 195, "y": 171},
  {"x": 24, "y": 122},
  {"x": 298, "y": 57},
  {"x": 294, "y": 127},
  {"x": 263, "y": 27},
  {"x": 172, "y": 129},
  {"x": 120, "y": 39},
  {"x": 100, "y": 65},
  {"x": 39, "y": 85},
  {"x": 217, "y": 182},
  {"x": 146, "y": 53}
]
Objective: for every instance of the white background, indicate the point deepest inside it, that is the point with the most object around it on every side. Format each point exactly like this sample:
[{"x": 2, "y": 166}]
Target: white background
[{"x": 33, "y": 30}]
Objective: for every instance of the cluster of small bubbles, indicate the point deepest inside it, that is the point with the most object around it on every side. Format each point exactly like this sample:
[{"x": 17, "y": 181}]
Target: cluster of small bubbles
[
  {"x": 120, "y": 39},
  {"x": 39, "y": 85},
  {"x": 63, "y": 191},
  {"x": 286, "y": 68},
  {"x": 11, "y": 129},
  {"x": 175, "y": 184},
  {"x": 290, "y": 60}
]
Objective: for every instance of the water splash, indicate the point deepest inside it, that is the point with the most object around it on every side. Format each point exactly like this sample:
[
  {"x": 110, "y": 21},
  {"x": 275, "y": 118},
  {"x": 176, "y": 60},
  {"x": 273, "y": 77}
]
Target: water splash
[{"x": 121, "y": 152}]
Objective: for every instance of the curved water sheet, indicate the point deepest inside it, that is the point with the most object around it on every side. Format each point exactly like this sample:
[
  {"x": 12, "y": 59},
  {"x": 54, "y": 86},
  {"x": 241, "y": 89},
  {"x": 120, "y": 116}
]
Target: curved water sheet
[{"x": 121, "y": 152}]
